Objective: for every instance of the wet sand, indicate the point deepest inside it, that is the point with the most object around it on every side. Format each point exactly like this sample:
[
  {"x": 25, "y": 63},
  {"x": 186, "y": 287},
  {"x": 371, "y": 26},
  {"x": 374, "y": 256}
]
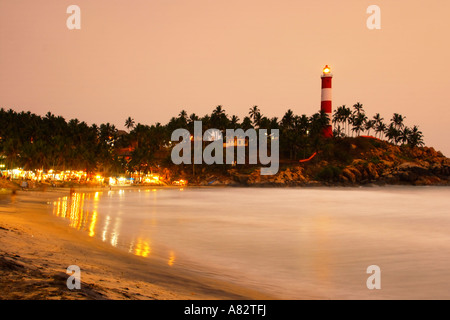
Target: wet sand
[{"x": 36, "y": 248}]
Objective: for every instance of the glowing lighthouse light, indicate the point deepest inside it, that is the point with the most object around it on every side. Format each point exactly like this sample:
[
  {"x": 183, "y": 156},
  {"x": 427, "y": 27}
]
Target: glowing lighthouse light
[{"x": 325, "y": 104}]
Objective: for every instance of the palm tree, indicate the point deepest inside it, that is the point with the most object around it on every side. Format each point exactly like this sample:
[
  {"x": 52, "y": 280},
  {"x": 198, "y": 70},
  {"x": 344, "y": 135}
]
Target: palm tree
[
  {"x": 192, "y": 118},
  {"x": 343, "y": 115},
  {"x": 337, "y": 119},
  {"x": 234, "y": 122},
  {"x": 358, "y": 108},
  {"x": 358, "y": 121},
  {"x": 346, "y": 114},
  {"x": 12, "y": 148},
  {"x": 274, "y": 123},
  {"x": 370, "y": 124},
  {"x": 219, "y": 118},
  {"x": 218, "y": 111},
  {"x": 287, "y": 122},
  {"x": 129, "y": 123},
  {"x": 398, "y": 119},
  {"x": 380, "y": 129},
  {"x": 255, "y": 115},
  {"x": 415, "y": 137},
  {"x": 379, "y": 125},
  {"x": 182, "y": 119},
  {"x": 246, "y": 123},
  {"x": 183, "y": 114},
  {"x": 302, "y": 124},
  {"x": 338, "y": 131},
  {"x": 318, "y": 122},
  {"x": 264, "y": 123},
  {"x": 206, "y": 122},
  {"x": 392, "y": 133},
  {"x": 404, "y": 134}
]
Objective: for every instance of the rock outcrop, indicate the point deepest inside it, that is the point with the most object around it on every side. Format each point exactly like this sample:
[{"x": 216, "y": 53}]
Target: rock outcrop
[{"x": 382, "y": 163}]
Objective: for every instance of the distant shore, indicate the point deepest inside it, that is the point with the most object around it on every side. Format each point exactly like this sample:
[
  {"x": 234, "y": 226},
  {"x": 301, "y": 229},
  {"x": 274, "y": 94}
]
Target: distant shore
[{"x": 36, "y": 248}]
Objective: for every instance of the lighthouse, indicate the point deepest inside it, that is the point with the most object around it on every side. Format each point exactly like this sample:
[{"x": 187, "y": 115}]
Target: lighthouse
[{"x": 325, "y": 104}]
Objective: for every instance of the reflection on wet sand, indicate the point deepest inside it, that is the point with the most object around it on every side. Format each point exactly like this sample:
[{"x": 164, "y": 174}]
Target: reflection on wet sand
[{"x": 77, "y": 209}]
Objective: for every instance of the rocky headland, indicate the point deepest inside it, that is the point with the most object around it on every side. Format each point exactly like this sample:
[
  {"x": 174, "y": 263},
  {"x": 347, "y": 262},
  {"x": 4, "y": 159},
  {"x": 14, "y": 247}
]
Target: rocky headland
[{"x": 355, "y": 161}]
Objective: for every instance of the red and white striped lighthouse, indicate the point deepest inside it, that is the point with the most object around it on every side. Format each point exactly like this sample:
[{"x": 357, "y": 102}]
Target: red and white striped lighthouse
[{"x": 325, "y": 104}]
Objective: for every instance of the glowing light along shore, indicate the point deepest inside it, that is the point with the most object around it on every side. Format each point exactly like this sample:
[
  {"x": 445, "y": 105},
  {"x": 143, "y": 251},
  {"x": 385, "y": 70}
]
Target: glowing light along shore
[{"x": 52, "y": 176}]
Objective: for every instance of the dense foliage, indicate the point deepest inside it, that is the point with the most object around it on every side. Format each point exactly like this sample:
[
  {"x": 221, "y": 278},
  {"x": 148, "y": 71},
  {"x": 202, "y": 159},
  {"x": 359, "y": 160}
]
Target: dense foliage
[{"x": 33, "y": 142}]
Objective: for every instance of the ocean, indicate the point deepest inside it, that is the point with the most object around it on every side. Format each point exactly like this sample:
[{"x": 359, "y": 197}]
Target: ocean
[{"x": 292, "y": 243}]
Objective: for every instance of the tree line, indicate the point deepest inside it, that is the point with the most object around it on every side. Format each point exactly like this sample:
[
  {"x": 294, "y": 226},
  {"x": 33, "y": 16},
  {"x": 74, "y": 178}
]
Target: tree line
[
  {"x": 346, "y": 121},
  {"x": 50, "y": 142}
]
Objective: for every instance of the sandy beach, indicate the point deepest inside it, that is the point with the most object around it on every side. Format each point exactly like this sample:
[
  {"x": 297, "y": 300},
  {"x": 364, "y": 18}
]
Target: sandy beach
[{"x": 36, "y": 248}]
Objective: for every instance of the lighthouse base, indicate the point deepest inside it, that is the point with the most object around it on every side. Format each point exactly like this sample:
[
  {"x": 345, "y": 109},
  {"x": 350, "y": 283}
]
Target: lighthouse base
[{"x": 328, "y": 132}]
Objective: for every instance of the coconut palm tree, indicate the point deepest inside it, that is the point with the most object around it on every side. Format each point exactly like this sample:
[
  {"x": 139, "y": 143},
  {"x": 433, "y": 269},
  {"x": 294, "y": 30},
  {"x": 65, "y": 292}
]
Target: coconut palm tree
[
  {"x": 287, "y": 122},
  {"x": 380, "y": 129},
  {"x": 358, "y": 122},
  {"x": 193, "y": 117},
  {"x": 345, "y": 116},
  {"x": 182, "y": 119},
  {"x": 358, "y": 108},
  {"x": 379, "y": 125},
  {"x": 318, "y": 122},
  {"x": 392, "y": 133},
  {"x": 369, "y": 125},
  {"x": 338, "y": 117},
  {"x": 246, "y": 123},
  {"x": 302, "y": 124},
  {"x": 129, "y": 123},
  {"x": 404, "y": 135},
  {"x": 415, "y": 137},
  {"x": 397, "y": 120},
  {"x": 219, "y": 119},
  {"x": 234, "y": 122},
  {"x": 264, "y": 123},
  {"x": 338, "y": 131},
  {"x": 255, "y": 115},
  {"x": 274, "y": 123}
]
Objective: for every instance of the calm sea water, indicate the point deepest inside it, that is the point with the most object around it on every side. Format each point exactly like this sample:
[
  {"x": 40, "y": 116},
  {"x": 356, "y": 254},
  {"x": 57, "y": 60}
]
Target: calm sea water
[{"x": 290, "y": 242}]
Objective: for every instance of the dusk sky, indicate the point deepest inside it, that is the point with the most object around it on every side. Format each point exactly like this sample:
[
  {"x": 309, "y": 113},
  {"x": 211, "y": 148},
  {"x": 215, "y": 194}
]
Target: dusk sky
[{"x": 149, "y": 59}]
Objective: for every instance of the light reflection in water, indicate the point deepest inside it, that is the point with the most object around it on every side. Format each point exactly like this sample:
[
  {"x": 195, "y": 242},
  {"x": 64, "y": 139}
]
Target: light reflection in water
[
  {"x": 72, "y": 208},
  {"x": 105, "y": 229},
  {"x": 171, "y": 258},
  {"x": 115, "y": 234},
  {"x": 82, "y": 211},
  {"x": 142, "y": 248},
  {"x": 92, "y": 224}
]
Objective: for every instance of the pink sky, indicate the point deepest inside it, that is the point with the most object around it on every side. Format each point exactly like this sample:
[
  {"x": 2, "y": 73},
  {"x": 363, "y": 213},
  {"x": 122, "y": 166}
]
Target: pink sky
[{"x": 150, "y": 59}]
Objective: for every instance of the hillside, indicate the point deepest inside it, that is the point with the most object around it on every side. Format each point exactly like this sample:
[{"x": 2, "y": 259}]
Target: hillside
[{"x": 341, "y": 162}]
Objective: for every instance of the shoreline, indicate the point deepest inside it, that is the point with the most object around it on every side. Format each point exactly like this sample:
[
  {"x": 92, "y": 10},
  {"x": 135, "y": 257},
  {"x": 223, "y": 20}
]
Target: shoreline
[
  {"x": 9, "y": 189},
  {"x": 36, "y": 248}
]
